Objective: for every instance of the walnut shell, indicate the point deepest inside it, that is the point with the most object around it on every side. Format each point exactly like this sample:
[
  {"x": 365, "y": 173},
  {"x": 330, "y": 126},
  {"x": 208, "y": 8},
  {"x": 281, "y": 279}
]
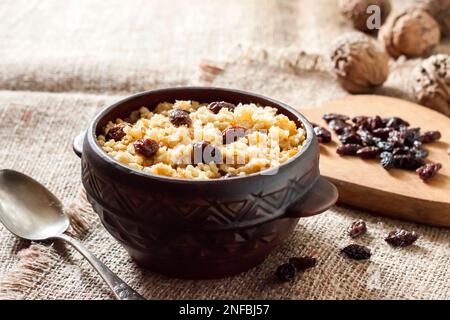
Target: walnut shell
[
  {"x": 413, "y": 33},
  {"x": 440, "y": 10},
  {"x": 356, "y": 12},
  {"x": 359, "y": 63},
  {"x": 432, "y": 83}
]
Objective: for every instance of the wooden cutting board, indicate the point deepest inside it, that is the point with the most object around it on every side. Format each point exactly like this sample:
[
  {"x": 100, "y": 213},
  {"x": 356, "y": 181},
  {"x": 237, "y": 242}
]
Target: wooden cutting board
[{"x": 398, "y": 193}]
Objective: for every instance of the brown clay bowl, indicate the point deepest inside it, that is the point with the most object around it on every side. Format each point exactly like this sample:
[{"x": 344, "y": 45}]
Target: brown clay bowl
[{"x": 201, "y": 229}]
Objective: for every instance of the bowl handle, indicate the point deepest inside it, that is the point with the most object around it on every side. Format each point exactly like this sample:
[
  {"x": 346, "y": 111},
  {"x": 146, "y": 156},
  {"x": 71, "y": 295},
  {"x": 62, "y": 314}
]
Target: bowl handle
[
  {"x": 318, "y": 199},
  {"x": 77, "y": 144}
]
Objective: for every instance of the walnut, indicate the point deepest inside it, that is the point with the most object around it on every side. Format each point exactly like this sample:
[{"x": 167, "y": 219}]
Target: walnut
[
  {"x": 440, "y": 10},
  {"x": 413, "y": 33},
  {"x": 356, "y": 11},
  {"x": 432, "y": 83},
  {"x": 359, "y": 63}
]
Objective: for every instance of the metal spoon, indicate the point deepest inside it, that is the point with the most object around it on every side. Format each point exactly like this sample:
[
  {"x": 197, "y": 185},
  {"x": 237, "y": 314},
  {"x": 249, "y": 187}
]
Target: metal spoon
[{"x": 32, "y": 212}]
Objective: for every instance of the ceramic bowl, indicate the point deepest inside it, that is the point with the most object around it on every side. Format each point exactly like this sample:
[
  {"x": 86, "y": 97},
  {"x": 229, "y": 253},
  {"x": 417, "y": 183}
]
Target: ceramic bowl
[{"x": 208, "y": 228}]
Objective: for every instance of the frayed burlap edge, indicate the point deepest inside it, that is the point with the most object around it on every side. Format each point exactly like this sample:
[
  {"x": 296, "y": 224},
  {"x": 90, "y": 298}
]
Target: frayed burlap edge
[
  {"x": 289, "y": 60},
  {"x": 284, "y": 58},
  {"x": 36, "y": 260}
]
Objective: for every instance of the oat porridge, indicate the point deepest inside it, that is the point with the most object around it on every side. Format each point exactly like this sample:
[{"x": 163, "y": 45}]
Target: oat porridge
[{"x": 192, "y": 140}]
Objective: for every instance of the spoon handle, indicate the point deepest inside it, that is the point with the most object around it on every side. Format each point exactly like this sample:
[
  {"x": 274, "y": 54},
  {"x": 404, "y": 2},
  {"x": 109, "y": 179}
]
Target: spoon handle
[{"x": 120, "y": 289}]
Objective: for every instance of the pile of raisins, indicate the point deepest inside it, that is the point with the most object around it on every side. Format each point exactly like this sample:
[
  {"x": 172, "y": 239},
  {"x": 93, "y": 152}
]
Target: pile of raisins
[{"x": 392, "y": 140}]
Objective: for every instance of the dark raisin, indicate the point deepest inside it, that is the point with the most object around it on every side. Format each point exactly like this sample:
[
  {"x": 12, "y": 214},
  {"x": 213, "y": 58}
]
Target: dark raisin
[
  {"x": 408, "y": 162},
  {"x": 382, "y": 133},
  {"x": 216, "y": 106},
  {"x": 428, "y": 170},
  {"x": 179, "y": 117},
  {"x": 368, "y": 152},
  {"x": 401, "y": 238},
  {"x": 411, "y": 135},
  {"x": 399, "y": 159},
  {"x": 286, "y": 272},
  {"x": 232, "y": 134},
  {"x": 348, "y": 149},
  {"x": 375, "y": 122},
  {"x": 420, "y": 153},
  {"x": 116, "y": 132},
  {"x": 375, "y": 141},
  {"x": 367, "y": 138},
  {"x": 430, "y": 136},
  {"x": 417, "y": 144},
  {"x": 352, "y": 138},
  {"x": 360, "y": 120},
  {"x": 357, "y": 228},
  {"x": 323, "y": 135},
  {"x": 303, "y": 263},
  {"x": 364, "y": 125},
  {"x": 397, "y": 138},
  {"x": 386, "y": 146},
  {"x": 350, "y": 129},
  {"x": 338, "y": 125},
  {"x": 396, "y": 123},
  {"x": 387, "y": 160},
  {"x": 356, "y": 252},
  {"x": 401, "y": 150},
  {"x": 334, "y": 116},
  {"x": 396, "y": 144},
  {"x": 146, "y": 147}
]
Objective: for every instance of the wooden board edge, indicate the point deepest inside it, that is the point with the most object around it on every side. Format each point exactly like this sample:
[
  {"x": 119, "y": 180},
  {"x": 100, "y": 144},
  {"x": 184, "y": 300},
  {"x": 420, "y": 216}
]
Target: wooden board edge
[{"x": 432, "y": 213}]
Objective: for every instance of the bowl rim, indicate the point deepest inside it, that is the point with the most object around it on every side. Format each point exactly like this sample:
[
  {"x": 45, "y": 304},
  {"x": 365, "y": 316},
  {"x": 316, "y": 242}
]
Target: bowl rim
[{"x": 92, "y": 138}]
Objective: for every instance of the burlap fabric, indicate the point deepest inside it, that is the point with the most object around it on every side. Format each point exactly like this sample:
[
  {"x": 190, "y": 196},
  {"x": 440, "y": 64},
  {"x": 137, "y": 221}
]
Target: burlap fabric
[{"x": 250, "y": 46}]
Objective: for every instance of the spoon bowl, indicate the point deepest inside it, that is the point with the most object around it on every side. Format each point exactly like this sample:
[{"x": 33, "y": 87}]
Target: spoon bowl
[{"x": 29, "y": 210}]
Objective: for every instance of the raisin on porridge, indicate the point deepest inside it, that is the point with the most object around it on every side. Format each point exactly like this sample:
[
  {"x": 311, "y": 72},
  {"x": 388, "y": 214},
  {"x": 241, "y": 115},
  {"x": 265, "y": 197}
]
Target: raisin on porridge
[{"x": 190, "y": 140}]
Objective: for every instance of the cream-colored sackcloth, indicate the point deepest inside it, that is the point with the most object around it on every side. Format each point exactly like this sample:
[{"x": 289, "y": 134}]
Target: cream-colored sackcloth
[
  {"x": 129, "y": 46},
  {"x": 45, "y": 271},
  {"x": 118, "y": 48}
]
